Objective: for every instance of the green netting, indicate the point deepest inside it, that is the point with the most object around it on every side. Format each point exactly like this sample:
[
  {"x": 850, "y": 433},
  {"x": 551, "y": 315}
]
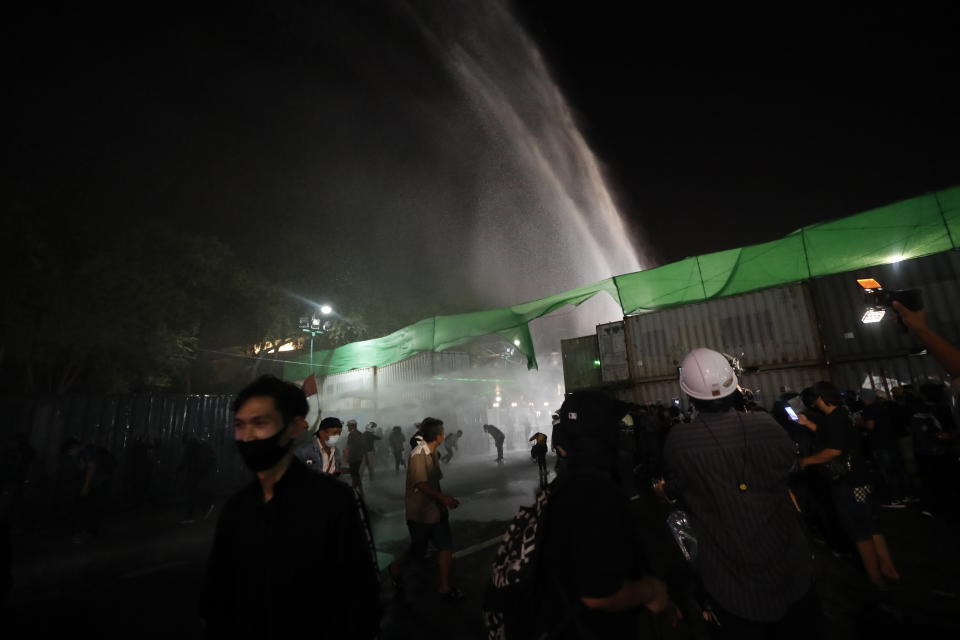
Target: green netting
[{"x": 916, "y": 227}]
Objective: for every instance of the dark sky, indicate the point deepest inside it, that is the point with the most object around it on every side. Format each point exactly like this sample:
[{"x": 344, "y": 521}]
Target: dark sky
[
  {"x": 725, "y": 132},
  {"x": 255, "y": 122}
]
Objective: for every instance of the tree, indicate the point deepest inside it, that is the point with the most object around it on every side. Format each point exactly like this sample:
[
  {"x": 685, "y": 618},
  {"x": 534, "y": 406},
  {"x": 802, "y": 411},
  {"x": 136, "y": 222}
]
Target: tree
[{"x": 121, "y": 312}]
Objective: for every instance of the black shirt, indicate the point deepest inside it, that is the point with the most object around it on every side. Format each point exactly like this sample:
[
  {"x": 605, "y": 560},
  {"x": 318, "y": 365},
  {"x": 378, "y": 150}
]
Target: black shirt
[
  {"x": 271, "y": 561},
  {"x": 882, "y": 436},
  {"x": 753, "y": 557},
  {"x": 590, "y": 549},
  {"x": 835, "y": 431}
]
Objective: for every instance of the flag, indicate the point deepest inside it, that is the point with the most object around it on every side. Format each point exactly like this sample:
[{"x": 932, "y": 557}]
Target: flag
[{"x": 313, "y": 402}]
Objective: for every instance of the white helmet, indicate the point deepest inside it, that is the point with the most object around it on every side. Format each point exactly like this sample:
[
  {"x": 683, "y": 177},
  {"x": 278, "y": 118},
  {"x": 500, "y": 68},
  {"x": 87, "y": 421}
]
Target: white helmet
[{"x": 706, "y": 374}]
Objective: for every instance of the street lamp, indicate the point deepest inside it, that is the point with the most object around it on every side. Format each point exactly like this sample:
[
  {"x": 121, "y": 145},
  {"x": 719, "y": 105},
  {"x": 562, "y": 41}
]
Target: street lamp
[{"x": 315, "y": 326}]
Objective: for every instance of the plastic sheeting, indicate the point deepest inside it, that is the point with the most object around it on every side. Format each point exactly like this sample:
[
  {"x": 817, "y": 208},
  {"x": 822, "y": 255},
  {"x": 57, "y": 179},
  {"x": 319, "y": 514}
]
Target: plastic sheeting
[{"x": 912, "y": 228}]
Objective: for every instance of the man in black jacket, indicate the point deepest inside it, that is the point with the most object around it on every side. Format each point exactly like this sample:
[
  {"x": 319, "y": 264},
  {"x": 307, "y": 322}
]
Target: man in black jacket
[{"x": 286, "y": 534}]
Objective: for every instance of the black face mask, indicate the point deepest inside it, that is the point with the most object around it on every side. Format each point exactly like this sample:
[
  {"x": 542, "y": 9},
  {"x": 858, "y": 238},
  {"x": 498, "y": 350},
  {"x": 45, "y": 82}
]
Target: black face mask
[{"x": 260, "y": 455}]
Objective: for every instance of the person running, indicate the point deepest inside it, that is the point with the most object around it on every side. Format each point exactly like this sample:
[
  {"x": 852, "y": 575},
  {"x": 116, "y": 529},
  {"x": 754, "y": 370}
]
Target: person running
[
  {"x": 539, "y": 452},
  {"x": 427, "y": 510},
  {"x": 396, "y": 441},
  {"x": 498, "y": 439},
  {"x": 450, "y": 444}
]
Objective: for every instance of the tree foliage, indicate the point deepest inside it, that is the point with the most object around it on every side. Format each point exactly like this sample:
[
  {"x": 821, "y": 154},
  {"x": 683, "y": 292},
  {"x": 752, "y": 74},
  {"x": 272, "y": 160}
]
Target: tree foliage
[{"x": 122, "y": 310}]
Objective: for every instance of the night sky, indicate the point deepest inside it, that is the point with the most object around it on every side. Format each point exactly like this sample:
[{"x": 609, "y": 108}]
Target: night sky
[{"x": 325, "y": 132}]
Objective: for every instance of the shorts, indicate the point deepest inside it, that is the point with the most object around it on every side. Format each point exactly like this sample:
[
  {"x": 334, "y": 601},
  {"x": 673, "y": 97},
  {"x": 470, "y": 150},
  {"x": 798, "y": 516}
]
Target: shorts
[
  {"x": 856, "y": 511},
  {"x": 422, "y": 533}
]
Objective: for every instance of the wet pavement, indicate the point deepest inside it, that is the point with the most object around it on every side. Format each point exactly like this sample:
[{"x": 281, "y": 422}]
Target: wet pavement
[{"x": 141, "y": 576}]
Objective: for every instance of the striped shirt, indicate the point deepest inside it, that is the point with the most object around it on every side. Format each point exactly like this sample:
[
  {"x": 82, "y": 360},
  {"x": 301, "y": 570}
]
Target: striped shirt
[{"x": 753, "y": 557}]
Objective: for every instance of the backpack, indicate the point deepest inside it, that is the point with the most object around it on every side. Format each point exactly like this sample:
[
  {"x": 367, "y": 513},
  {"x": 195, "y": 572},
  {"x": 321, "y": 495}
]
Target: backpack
[{"x": 511, "y": 601}]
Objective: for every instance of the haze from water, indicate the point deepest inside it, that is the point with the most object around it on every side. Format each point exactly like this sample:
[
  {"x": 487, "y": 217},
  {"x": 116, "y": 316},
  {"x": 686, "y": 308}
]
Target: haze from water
[{"x": 549, "y": 223}]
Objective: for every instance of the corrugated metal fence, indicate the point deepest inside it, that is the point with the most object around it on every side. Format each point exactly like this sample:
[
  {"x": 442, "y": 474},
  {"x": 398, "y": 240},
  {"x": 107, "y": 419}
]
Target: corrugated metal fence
[{"x": 116, "y": 423}]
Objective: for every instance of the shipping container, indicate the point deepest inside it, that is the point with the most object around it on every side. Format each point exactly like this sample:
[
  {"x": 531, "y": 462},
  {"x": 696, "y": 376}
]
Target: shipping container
[
  {"x": 420, "y": 367},
  {"x": 840, "y": 307},
  {"x": 886, "y": 373},
  {"x": 766, "y": 386},
  {"x": 613, "y": 352},
  {"x": 772, "y": 327},
  {"x": 581, "y": 363}
]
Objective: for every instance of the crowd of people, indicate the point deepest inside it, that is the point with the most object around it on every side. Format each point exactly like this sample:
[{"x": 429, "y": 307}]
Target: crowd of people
[{"x": 753, "y": 490}]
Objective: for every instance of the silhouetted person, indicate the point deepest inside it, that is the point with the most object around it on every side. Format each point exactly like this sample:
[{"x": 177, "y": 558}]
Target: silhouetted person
[
  {"x": 283, "y": 532},
  {"x": 539, "y": 452},
  {"x": 139, "y": 465},
  {"x": 450, "y": 444},
  {"x": 397, "y": 440},
  {"x": 96, "y": 466},
  {"x": 498, "y": 439},
  {"x": 195, "y": 470},
  {"x": 356, "y": 448}
]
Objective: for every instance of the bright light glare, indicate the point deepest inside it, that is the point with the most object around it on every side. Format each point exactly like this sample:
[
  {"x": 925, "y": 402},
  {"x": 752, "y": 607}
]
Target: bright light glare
[
  {"x": 516, "y": 342},
  {"x": 513, "y": 404},
  {"x": 496, "y": 405},
  {"x": 895, "y": 259},
  {"x": 326, "y": 309},
  {"x": 498, "y": 399},
  {"x": 873, "y": 315},
  {"x": 546, "y": 404}
]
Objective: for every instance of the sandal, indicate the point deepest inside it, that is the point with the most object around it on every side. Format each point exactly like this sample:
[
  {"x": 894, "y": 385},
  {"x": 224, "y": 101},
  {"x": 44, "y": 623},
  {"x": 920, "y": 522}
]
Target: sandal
[{"x": 453, "y": 594}]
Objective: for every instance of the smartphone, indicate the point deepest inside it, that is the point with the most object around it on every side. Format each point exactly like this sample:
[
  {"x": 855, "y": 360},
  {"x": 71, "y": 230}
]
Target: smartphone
[
  {"x": 791, "y": 413},
  {"x": 797, "y": 403}
]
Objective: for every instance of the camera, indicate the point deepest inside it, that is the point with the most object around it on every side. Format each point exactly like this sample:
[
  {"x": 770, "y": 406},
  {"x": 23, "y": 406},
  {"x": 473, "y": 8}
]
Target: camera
[{"x": 878, "y": 300}]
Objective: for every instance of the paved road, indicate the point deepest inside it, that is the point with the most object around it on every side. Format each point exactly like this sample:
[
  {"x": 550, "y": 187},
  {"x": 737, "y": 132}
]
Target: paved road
[
  {"x": 143, "y": 573},
  {"x": 141, "y": 577}
]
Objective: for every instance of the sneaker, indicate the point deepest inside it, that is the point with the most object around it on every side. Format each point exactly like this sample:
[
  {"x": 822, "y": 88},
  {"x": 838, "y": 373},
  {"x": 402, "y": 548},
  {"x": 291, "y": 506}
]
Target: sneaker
[{"x": 894, "y": 504}]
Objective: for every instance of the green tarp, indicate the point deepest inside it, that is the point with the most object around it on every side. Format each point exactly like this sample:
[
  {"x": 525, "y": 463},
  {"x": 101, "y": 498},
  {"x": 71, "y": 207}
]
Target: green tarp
[{"x": 909, "y": 229}]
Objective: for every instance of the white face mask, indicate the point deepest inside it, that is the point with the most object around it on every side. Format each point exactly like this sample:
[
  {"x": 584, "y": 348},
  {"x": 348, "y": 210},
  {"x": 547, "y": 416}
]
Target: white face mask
[{"x": 333, "y": 440}]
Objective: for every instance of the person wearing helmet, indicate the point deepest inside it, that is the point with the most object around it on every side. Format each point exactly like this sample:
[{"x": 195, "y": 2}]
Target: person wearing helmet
[
  {"x": 592, "y": 551},
  {"x": 731, "y": 471}
]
